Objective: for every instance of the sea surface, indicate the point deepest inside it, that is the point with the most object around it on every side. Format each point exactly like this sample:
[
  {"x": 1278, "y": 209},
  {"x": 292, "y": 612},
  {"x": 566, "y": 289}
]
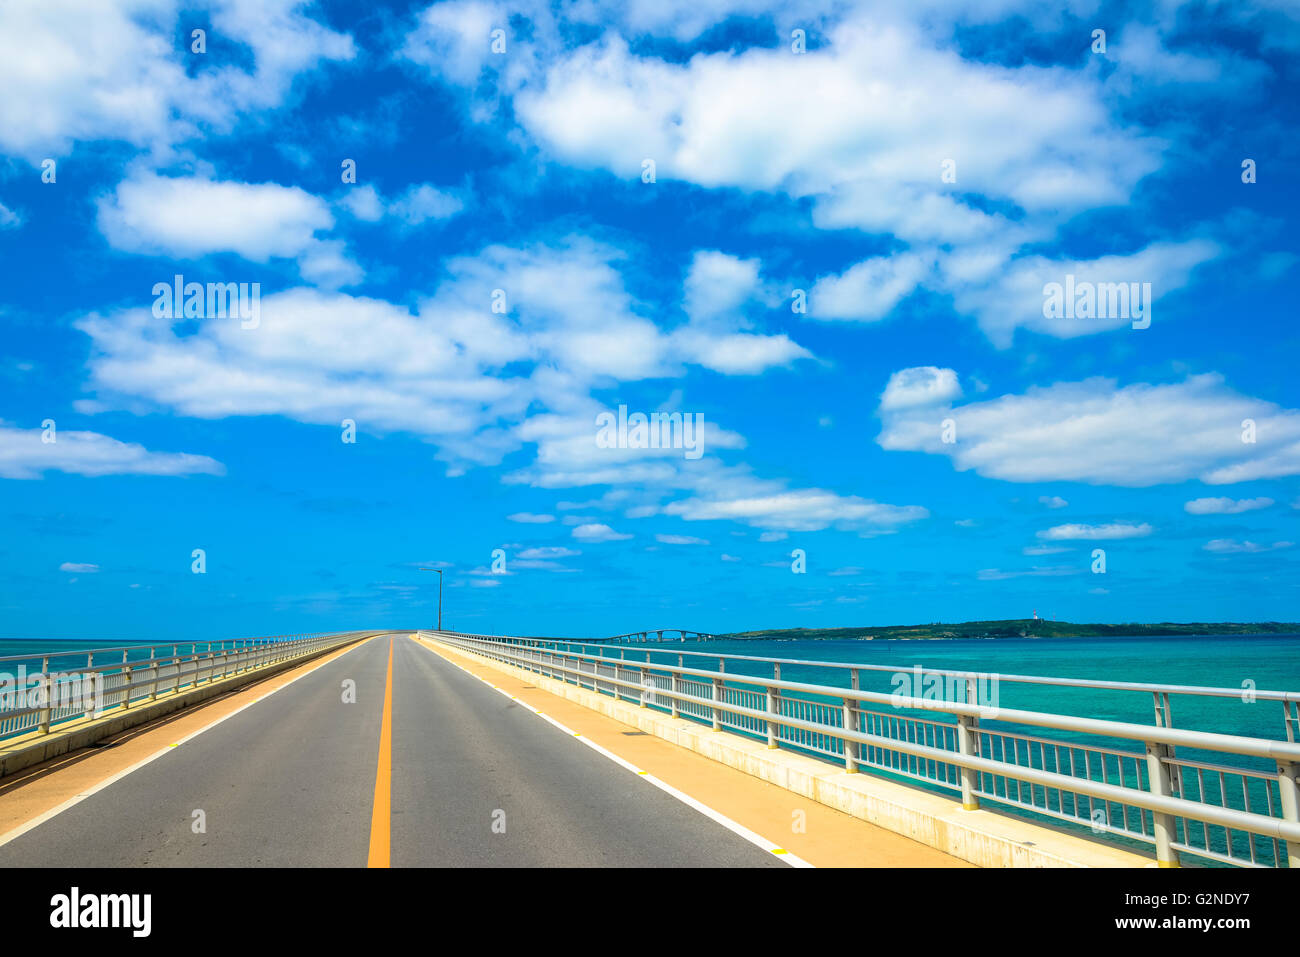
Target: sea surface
[
  {"x": 68, "y": 654},
  {"x": 1270, "y": 662}
]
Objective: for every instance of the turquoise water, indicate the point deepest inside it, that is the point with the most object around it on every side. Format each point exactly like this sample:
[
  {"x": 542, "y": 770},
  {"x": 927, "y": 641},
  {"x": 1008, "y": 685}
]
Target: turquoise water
[
  {"x": 70, "y": 654},
  {"x": 1272, "y": 662}
]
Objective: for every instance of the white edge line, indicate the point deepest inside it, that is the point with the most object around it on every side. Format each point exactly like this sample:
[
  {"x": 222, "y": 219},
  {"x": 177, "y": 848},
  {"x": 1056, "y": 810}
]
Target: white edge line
[
  {"x": 788, "y": 857},
  {"x": 53, "y": 812}
]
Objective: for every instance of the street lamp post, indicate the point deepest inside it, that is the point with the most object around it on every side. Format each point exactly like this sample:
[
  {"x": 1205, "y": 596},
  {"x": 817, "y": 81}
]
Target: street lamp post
[{"x": 439, "y": 571}]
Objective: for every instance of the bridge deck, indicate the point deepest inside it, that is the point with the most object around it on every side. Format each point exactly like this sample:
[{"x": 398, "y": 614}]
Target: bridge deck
[{"x": 288, "y": 777}]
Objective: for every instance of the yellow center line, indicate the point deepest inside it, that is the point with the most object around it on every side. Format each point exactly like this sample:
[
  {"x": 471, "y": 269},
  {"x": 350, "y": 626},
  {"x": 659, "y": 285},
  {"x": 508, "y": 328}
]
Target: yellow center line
[{"x": 381, "y": 816}]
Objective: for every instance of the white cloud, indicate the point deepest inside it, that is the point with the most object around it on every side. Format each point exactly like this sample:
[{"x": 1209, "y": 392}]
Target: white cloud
[
  {"x": 424, "y": 202},
  {"x": 81, "y": 568},
  {"x": 530, "y": 518},
  {"x": 1052, "y": 501},
  {"x": 717, "y": 290},
  {"x": 997, "y": 574},
  {"x": 194, "y": 216},
  {"x": 858, "y": 128},
  {"x": 315, "y": 357},
  {"x": 1014, "y": 297},
  {"x": 547, "y": 552},
  {"x": 737, "y": 353},
  {"x": 680, "y": 540},
  {"x": 1228, "y": 546},
  {"x": 718, "y": 285},
  {"x": 364, "y": 202},
  {"x": 702, "y": 489},
  {"x": 596, "y": 532},
  {"x": 1044, "y": 549},
  {"x": 1092, "y": 431},
  {"x": 870, "y": 290},
  {"x": 8, "y": 218},
  {"x": 91, "y": 70},
  {"x": 800, "y": 510},
  {"x": 23, "y": 455},
  {"x": 417, "y": 205},
  {"x": 454, "y": 38},
  {"x": 1093, "y": 533},
  {"x": 880, "y": 103},
  {"x": 440, "y": 373},
  {"x": 1144, "y": 61},
  {"x": 922, "y": 385},
  {"x": 1225, "y": 506}
]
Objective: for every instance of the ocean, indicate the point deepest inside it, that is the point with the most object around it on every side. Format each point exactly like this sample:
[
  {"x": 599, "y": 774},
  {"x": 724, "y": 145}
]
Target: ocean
[
  {"x": 67, "y": 654},
  {"x": 1271, "y": 662}
]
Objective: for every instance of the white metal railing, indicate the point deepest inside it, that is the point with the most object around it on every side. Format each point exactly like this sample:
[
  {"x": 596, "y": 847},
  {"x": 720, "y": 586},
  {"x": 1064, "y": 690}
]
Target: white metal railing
[
  {"x": 1136, "y": 784},
  {"x": 79, "y": 684}
]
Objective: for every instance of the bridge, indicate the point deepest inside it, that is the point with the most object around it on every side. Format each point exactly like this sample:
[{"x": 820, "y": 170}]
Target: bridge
[
  {"x": 643, "y": 636},
  {"x": 439, "y": 748}
]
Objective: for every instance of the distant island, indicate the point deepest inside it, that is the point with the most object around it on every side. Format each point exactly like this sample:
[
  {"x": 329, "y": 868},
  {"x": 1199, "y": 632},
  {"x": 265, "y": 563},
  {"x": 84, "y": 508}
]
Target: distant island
[{"x": 1024, "y": 628}]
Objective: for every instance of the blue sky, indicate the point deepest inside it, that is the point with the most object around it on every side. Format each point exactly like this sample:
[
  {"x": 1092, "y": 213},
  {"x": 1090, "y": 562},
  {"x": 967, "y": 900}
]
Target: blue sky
[{"x": 839, "y": 263}]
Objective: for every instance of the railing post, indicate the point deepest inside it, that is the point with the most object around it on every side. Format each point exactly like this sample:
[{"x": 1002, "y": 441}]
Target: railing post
[
  {"x": 126, "y": 681},
  {"x": 1289, "y": 791},
  {"x": 98, "y": 685},
  {"x": 153, "y": 673},
  {"x": 968, "y": 745},
  {"x": 44, "y": 723},
  {"x": 772, "y": 714},
  {"x": 1164, "y": 714},
  {"x": 618, "y": 668},
  {"x": 850, "y": 747},
  {"x": 717, "y": 698},
  {"x": 1158, "y": 778}
]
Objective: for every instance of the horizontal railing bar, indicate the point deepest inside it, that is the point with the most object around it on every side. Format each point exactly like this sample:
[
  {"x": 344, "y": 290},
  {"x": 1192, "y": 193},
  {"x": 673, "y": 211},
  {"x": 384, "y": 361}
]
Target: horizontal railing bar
[
  {"x": 79, "y": 652},
  {"x": 1179, "y": 807},
  {"x": 1208, "y": 740},
  {"x": 114, "y": 667},
  {"x": 1095, "y": 683},
  {"x": 190, "y": 670}
]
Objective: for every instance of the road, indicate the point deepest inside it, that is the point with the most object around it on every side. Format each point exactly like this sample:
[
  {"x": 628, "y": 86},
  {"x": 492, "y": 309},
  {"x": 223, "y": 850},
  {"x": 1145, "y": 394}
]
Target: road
[{"x": 476, "y": 780}]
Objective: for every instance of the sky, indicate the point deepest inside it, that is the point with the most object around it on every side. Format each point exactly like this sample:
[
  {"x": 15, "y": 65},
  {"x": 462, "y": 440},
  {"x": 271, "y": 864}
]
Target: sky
[{"x": 844, "y": 253}]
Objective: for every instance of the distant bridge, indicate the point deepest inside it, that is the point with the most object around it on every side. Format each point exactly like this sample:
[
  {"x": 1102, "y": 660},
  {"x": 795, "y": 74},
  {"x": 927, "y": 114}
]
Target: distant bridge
[{"x": 681, "y": 635}]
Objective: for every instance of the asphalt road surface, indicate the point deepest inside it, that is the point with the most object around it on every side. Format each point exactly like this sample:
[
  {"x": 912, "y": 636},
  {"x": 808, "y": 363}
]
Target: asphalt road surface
[{"x": 477, "y": 781}]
